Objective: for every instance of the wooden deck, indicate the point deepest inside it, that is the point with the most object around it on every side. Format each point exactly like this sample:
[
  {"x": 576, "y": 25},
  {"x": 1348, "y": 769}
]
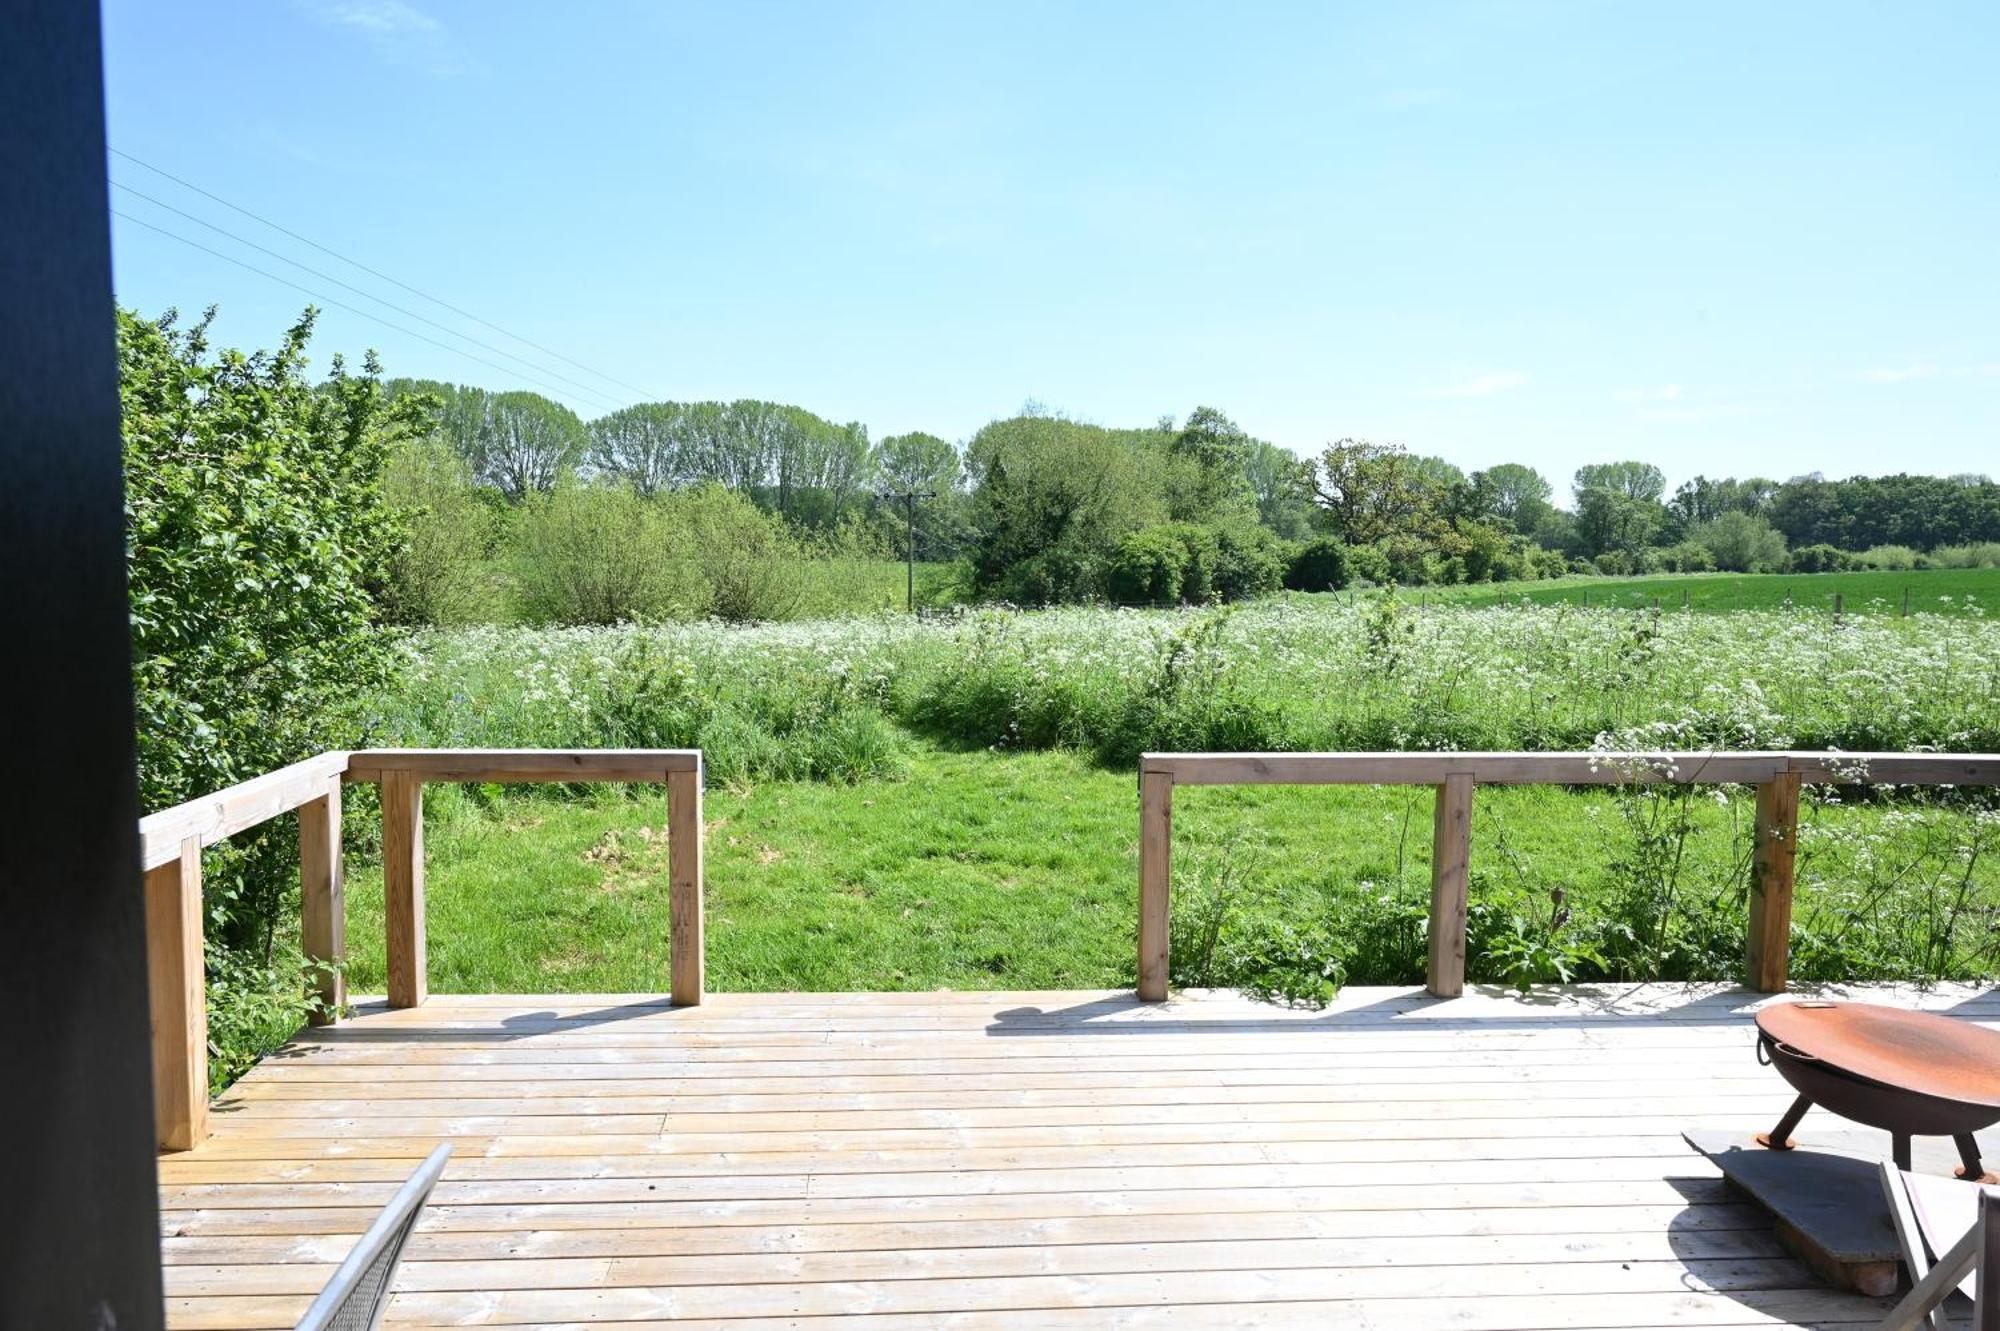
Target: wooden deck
[{"x": 1022, "y": 1160}]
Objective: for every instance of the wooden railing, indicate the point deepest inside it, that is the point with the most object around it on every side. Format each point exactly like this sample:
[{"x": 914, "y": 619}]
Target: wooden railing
[
  {"x": 172, "y": 840},
  {"x": 1777, "y": 777}
]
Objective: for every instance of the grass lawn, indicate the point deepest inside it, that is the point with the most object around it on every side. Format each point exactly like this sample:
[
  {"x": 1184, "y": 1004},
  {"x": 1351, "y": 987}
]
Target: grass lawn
[
  {"x": 1868, "y": 592},
  {"x": 986, "y": 870}
]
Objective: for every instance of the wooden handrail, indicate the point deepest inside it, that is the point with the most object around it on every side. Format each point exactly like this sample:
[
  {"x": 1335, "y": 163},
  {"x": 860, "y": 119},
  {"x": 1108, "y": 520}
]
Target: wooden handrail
[
  {"x": 172, "y": 841},
  {"x": 1777, "y": 775},
  {"x": 239, "y": 808}
]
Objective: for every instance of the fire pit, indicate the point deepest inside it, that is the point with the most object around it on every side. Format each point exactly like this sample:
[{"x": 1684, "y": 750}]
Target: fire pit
[{"x": 1908, "y": 1073}]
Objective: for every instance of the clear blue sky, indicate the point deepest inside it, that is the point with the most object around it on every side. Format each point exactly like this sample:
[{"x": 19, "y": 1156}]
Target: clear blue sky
[{"x": 1733, "y": 239}]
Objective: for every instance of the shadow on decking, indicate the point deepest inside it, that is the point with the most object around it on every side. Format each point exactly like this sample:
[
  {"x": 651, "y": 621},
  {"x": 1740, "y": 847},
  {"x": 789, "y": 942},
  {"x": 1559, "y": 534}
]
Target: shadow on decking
[{"x": 1565, "y": 1005}]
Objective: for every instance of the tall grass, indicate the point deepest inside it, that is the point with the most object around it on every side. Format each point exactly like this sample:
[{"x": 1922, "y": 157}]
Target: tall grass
[{"x": 833, "y": 699}]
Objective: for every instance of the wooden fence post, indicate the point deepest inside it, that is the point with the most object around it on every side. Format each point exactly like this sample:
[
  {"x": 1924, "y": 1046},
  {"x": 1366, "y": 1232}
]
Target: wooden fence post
[
  {"x": 1839, "y": 606},
  {"x": 1451, "y": 859},
  {"x": 1771, "y": 867},
  {"x": 403, "y": 886},
  {"x": 685, "y": 960},
  {"x": 1156, "y": 843},
  {"x": 175, "y": 979},
  {"x": 323, "y": 898}
]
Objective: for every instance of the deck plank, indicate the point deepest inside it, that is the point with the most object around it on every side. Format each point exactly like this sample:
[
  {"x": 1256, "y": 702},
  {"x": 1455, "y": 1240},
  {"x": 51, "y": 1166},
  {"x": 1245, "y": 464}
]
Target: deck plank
[{"x": 969, "y": 1160}]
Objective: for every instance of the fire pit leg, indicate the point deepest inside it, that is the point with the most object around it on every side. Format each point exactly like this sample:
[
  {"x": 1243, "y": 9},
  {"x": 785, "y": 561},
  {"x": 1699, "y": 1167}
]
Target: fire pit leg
[
  {"x": 1899, "y": 1150},
  {"x": 1968, "y": 1151},
  {"x": 1780, "y": 1137}
]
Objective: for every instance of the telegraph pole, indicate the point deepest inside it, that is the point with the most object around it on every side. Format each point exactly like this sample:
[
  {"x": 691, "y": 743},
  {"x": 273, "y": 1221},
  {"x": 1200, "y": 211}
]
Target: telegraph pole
[{"x": 909, "y": 498}]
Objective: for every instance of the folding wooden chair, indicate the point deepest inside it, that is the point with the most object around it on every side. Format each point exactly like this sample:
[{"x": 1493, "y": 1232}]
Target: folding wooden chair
[
  {"x": 1950, "y": 1232},
  {"x": 358, "y": 1294}
]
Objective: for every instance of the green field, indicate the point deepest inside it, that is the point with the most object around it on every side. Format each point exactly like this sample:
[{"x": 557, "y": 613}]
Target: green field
[
  {"x": 1871, "y": 592},
  {"x": 985, "y": 870},
  {"x": 899, "y": 803}
]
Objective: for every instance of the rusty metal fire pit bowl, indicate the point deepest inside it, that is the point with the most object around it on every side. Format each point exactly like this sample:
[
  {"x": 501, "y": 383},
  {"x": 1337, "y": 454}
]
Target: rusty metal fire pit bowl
[{"x": 1908, "y": 1073}]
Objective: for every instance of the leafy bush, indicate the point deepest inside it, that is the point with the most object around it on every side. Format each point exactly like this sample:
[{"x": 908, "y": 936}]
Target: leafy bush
[
  {"x": 600, "y": 554},
  {"x": 1367, "y": 563},
  {"x": 1053, "y": 576},
  {"x": 1148, "y": 567},
  {"x": 435, "y": 577},
  {"x": 745, "y": 556},
  {"x": 1821, "y": 559},
  {"x": 1203, "y": 553},
  {"x": 256, "y": 527},
  {"x": 1319, "y": 565},
  {"x": 1897, "y": 557},
  {"x": 1985, "y": 554},
  {"x": 1249, "y": 562},
  {"x": 1742, "y": 542},
  {"x": 1687, "y": 557}
]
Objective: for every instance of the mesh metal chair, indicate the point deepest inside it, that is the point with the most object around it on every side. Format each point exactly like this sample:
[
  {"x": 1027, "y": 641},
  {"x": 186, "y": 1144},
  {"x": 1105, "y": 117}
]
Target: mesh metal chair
[
  {"x": 358, "y": 1294},
  {"x": 1950, "y": 1232}
]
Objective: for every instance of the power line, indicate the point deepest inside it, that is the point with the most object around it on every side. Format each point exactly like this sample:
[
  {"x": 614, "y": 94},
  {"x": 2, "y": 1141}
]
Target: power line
[
  {"x": 644, "y": 393},
  {"x": 341, "y": 305},
  {"x": 367, "y": 295}
]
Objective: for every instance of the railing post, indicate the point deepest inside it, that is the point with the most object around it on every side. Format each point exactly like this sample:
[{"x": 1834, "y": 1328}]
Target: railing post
[
  {"x": 403, "y": 886},
  {"x": 323, "y": 898},
  {"x": 1451, "y": 859},
  {"x": 685, "y": 958},
  {"x": 1771, "y": 865},
  {"x": 175, "y": 979},
  {"x": 1156, "y": 844}
]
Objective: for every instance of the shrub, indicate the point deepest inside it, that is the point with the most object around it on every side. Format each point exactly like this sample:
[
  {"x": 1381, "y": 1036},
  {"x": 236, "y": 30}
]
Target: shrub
[
  {"x": 1687, "y": 557},
  {"x": 1053, "y": 576},
  {"x": 1203, "y": 553},
  {"x": 1368, "y": 564},
  {"x": 1319, "y": 565},
  {"x": 1249, "y": 562},
  {"x": 1742, "y": 542},
  {"x": 1985, "y": 554},
  {"x": 749, "y": 566},
  {"x": 1891, "y": 557},
  {"x": 1415, "y": 562},
  {"x": 435, "y": 578},
  {"x": 599, "y": 554},
  {"x": 1148, "y": 567},
  {"x": 256, "y": 529},
  {"x": 1821, "y": 558}
]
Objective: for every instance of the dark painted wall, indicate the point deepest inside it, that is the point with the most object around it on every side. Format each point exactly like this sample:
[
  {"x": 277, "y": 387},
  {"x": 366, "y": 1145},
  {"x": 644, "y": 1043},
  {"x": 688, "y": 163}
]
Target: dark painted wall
[{"x": 78, "y": 1212}]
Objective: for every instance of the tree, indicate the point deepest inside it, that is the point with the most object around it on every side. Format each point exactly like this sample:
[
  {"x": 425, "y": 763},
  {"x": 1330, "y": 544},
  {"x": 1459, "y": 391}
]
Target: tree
[
  {"x": 1368, "y": 492},
  {"x": 925, "y": 465},
  {"x": 526, "y": 443},
  {"x": 1613, "y": 521},
  {"x": 1741, "y": 542},
  {"x": 1635, "y": 480},
  {"x": 1438, "y": 473},
  {"x": 1061, "y": 492},
  {"x": 1276, "y": 488},
  {"x": 648, "y": 447},
  {"x": 1210, "y": 484},
  {"x": 1517, "y": 493}
]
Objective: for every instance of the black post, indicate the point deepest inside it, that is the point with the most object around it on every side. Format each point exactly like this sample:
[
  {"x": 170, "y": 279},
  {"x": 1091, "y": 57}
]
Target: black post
[{"x": 83, "y": 1247}]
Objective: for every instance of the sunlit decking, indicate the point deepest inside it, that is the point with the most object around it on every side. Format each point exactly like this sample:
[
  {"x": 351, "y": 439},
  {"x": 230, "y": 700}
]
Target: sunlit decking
[{"x": 1011, "y": 1159}]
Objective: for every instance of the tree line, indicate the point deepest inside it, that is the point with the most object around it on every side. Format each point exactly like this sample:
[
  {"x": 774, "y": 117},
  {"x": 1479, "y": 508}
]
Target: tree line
[{"x": 1044, "y": 508}]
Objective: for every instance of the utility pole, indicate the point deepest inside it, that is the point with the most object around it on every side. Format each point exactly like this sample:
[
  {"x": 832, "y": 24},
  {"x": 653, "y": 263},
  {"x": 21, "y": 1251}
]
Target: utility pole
[{"x": 909, "y": 498}]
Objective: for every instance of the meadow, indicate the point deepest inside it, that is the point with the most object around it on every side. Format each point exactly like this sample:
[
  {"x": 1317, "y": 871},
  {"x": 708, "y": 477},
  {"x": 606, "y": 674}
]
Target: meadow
[{"x": 950, "y": 801}]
